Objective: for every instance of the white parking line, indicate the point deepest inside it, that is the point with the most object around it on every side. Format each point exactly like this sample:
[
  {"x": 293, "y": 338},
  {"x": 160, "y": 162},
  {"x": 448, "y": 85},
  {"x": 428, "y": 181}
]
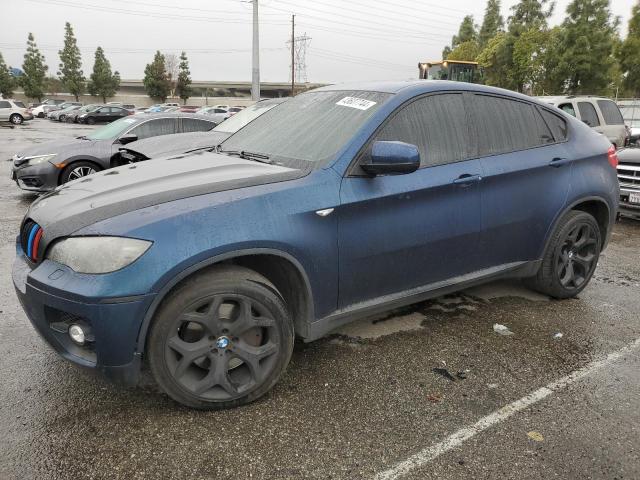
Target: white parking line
[{"x": 456, "y": 439}]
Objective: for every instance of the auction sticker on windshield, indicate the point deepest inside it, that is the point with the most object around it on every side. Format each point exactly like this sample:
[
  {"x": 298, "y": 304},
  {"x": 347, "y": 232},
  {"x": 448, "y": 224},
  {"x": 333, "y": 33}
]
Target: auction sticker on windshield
[{"x": 354, "y": 102}]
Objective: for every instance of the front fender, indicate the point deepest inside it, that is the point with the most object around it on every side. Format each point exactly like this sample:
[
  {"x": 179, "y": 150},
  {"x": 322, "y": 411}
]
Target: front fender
[{"x": 194, "y": 267}]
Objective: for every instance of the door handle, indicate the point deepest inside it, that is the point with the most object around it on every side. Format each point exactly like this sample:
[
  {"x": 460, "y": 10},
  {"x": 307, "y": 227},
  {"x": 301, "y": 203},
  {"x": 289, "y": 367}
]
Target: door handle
[
  {"x": 467, "y": 179},
  {"x": 558, "y": 162}
]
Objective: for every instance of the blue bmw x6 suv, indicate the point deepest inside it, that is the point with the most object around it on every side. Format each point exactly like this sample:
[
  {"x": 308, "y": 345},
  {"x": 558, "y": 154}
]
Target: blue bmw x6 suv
[{"x": 340, "y": 203}]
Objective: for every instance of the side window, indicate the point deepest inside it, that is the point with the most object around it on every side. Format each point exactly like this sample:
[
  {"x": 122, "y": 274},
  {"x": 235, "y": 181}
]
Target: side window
[
  {"x": 506, "y": 125},
  {"x": 19, "y": 104},
  {"x": 436, "y": 124},
  {"x": 153, "y": 128},
  {"x": 196, "y": 125},
  {"x": 5, "y": 104},
  {"x": 588, "y": 114},
  {"x": 557, "y": 125},
  {"x": 610, "y": 112},
  {"x": 568, "y": 108}
]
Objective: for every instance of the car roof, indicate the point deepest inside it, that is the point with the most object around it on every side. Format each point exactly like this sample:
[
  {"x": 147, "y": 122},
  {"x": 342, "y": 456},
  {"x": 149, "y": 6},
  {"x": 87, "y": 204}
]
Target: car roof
[{"x": 417, "y": 87}]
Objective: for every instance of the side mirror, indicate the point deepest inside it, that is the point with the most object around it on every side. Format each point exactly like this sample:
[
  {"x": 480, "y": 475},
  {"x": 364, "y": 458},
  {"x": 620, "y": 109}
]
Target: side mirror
[
  {"x": 128, "y": 138},
  {"x": 392, "y": 158}
]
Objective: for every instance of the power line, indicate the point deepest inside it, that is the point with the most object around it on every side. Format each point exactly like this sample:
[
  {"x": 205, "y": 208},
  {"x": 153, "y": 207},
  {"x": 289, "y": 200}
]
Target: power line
[
  {"x": 140, "y": 13},
  {"x": 367, "y": 14},
  {"x": 395, "y": 31}
]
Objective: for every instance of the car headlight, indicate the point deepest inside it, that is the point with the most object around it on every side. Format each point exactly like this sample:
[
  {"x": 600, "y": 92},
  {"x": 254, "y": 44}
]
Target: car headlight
[
  {"x": 97, "y": 254},
  {"x": 37, "y": 159}
]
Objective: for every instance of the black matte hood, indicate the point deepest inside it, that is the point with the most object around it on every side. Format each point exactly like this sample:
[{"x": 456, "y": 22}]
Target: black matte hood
[
  {"x": 175, "y": 143},
  {"x": 85, "y": 201}
]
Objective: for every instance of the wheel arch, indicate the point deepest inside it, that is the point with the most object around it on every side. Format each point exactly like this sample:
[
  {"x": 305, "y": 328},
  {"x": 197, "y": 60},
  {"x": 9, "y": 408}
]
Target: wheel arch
[
  {"x": 593, "y": 205},
  {"x": 71, "y": 161},
  {"x": 279, "y": 267}
]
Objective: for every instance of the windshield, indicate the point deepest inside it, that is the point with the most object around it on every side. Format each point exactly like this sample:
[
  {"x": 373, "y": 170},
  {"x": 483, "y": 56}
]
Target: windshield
[
  {"x": 311, "y": 127},
  {"x": 243, "y": 117},
  {"x": 111, "y": 130}
]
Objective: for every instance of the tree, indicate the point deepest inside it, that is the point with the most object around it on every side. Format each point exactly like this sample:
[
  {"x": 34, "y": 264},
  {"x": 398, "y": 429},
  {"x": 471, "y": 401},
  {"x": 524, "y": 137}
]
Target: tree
[
  {"x": 492, "y": 23},
  {"x": 466, "y": 33},
  {"x": 156, "y": 82},
  {"x": 183, "y": 86},
  {"x": 494, "y": 59},
  {"x": 528, "y": 14},
  {"x": 53, "y": 85},
  {"x": 35, "y": 71},
  {"x": 587, "y": 46},
  {"x": 172, "y": 66},
  {"x": 628, "y": 54},
  {"x": 70, "y": 64},
  {"x": 7, "y": 82},
  {"x": 529, "y": 54},
  {"x": 103, "y": 83},
  {"x": 467, "y": 51}
]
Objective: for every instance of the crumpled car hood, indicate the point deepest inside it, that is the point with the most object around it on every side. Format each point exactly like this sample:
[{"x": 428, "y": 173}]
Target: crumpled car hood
[{"x": 175, "y": 143}]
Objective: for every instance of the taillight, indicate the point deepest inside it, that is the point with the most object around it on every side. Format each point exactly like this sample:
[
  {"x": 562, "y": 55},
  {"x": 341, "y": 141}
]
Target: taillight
[{"x": 612, "y": 156}]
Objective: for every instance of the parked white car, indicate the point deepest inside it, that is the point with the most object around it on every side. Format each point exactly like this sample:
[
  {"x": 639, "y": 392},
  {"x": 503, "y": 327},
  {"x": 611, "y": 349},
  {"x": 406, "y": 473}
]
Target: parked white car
[
  {"x": 14, "y": 111},
  {"x": 600, "y": 113},
  {"x": 219, "y": 114}
]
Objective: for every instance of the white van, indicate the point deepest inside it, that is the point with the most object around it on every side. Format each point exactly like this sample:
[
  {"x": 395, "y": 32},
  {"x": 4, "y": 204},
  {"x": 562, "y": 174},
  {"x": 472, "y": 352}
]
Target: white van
[{"x": 600, "y": 113}]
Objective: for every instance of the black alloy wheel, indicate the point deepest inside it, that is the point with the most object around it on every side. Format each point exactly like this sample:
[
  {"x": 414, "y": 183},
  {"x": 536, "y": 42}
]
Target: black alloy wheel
[
  {"x": 221, "y": 340},
  {"x": 577, "y": 256},
  {"x": 570, "y": 258}
]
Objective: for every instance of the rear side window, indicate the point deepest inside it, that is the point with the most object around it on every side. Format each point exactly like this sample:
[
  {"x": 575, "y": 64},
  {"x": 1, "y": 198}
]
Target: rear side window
[
  {"x": 568, "y": 108},
  {"x": 557, "y": 125},
  {"x": 610, "y": 112},
  {"x": 19, "y": 104},
  {"x": 588, "y": 114},
  {"x": 196, "y": 125},
  {"x": 508, "y": 125},
  {"x": 436, "y": 124},
  {"x": 153, "y": 128}
]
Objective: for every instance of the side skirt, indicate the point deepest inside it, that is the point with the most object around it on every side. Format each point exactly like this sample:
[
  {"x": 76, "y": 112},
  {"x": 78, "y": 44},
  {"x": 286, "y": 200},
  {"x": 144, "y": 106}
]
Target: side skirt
[{"x": 339, "y": 318}]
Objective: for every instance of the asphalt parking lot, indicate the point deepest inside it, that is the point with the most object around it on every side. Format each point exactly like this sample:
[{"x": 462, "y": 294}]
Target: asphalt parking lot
[{"x": 558, "y": 398}]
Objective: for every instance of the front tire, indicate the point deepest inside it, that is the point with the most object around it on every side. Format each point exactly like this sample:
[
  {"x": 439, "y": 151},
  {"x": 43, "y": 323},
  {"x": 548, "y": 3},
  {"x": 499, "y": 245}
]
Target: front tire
[
  {"x": 221, "y": 339},
  {"x": 91, "y": 121},
  {"x": 571, "y": 256},
  {"x": 77, "y": 170},
  {"x": 16, "y": 119}
]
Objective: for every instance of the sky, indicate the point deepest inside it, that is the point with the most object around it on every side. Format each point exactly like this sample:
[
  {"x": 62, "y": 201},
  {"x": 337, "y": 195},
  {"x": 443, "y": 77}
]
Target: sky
[{"x": 350, "y": 40}]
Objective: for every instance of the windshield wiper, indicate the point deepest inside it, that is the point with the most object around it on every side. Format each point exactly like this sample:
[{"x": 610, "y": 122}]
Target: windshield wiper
[
  {"x": 208, "y": 148},
  {"x": 82, "y": 137},
  {"x": 258, "y": 157}
]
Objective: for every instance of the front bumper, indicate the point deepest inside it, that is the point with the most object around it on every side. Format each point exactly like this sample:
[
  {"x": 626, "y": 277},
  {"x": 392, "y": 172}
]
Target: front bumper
[
  {"x": 626, "y": 207},
  {"x": 42, "y": 177},
  {"x": 115, "y": 323}
]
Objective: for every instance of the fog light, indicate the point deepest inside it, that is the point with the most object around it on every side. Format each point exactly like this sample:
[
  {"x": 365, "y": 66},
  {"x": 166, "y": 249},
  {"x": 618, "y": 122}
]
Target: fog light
[{"x": 77, "y": 334}]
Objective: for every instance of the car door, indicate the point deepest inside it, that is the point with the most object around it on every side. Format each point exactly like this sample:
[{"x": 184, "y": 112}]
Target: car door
[
  {"x": 402, "y": 232},
  {"x": 527, "y": 173},
  {"x": 5, "y": 110}
]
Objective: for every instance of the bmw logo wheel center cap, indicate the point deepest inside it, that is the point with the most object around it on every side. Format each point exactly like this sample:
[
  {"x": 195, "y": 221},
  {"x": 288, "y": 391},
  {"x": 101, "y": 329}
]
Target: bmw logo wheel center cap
[{"x": 223, "y": 342}]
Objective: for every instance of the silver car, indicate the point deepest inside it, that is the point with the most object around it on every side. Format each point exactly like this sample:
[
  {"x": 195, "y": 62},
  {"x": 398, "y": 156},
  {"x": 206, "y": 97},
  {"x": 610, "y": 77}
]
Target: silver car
[{"x": 14, "y": 111}]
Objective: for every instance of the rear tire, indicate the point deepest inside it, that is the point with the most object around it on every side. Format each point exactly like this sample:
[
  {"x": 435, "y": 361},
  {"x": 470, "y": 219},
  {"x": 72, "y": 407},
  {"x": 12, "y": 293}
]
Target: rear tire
[
  {"x": 571, "y": 257},
  {"x": 221, "y": 339},
  {"x": 16, "y": 119}
]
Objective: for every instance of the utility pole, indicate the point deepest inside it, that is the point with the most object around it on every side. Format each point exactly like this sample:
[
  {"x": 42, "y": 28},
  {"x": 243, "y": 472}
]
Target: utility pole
[
  {"x": 255, "y": 67},
  {"x": 293, "y": 60}
]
